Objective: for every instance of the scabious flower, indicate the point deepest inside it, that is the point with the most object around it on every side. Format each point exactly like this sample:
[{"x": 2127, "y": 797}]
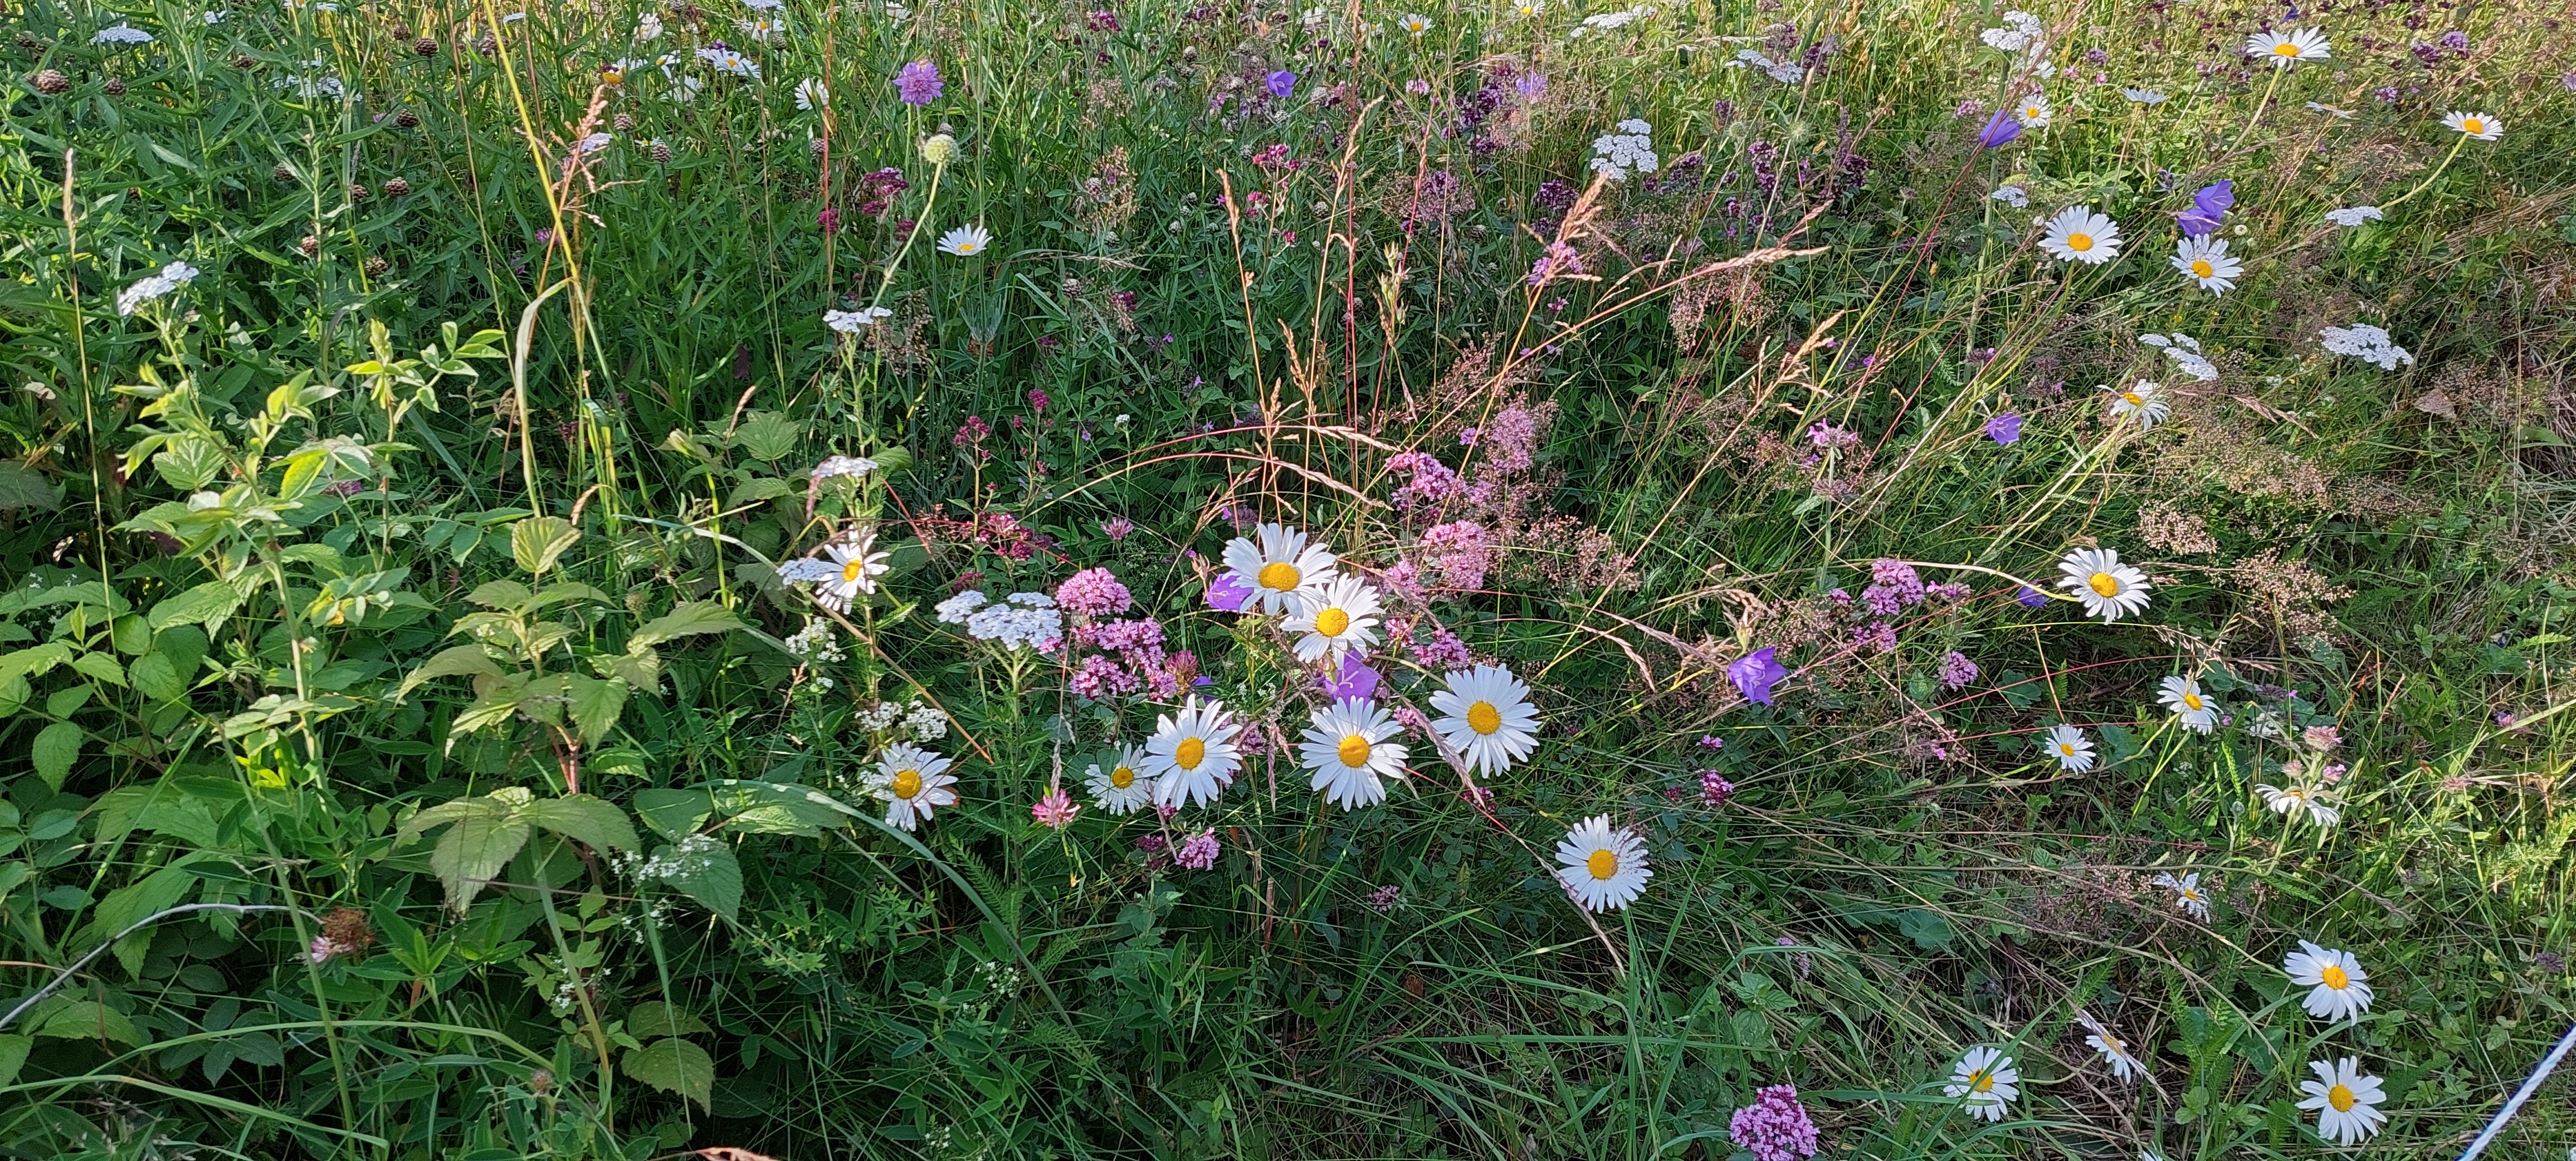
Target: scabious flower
[
  {"x": 940, "y": 149},
  {"x": 1604, "y": 869},
  {"x": 2346, "y": 1101},
  {"x": 2187, "y": 893},
  {"x": 1775, "y": 1127},
  {"x": 1755, "y": 673},
  {"x": 918, "y": 83},
  {"x": 2337, "y": 987},
  {"x": 2004, "y": 428},
  {"x": 1984, "y": 1082}
]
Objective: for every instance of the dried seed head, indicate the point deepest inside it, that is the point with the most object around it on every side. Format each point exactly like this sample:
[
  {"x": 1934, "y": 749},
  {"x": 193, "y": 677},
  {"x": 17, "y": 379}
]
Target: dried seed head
[
  {"x": 115, "y": 86},
  {"x": 242, "y": 60},
  {"x": 357, "y": 193},
  {"x": 407, "y": 119},
  {"x": 397, "y": 188},
  {"x": 425, "y": 46},
  {"x": 486, "y": 44},
  {"x": 283, "y": 172},
  {"x": 310, "y": 245},
  {"x": 625, "y": 122},
  {"x": 661, "y": 153},
  {"x": 27, "y": 41},
  {"x": 376, "y": 267},
  {"x": 51, "y": 81}
]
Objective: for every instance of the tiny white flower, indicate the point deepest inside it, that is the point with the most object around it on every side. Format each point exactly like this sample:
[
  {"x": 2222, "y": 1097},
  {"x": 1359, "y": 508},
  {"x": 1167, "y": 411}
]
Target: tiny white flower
[
  {"x": 2187, "y": 893},
  {"x": 2072, "y": 750},
  {"x": 2012, "y": 195}
]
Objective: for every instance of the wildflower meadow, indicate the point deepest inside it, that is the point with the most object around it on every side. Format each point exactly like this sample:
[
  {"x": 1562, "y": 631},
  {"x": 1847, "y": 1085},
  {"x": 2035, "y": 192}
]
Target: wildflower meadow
[{"x": 773, "y": 580}]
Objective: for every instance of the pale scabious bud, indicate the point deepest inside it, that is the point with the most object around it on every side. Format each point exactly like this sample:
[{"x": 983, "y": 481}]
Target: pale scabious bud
[{"x": 939, "y": 149}]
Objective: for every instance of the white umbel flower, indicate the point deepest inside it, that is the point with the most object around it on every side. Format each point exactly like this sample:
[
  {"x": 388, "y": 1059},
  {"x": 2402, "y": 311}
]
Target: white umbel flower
[
  {"x": 2206, "y": 262},
  {"x": 1124, "y": 787},
  {"x": 2143, "y": 403},
  {"x": 2187, "y": 893},
  {"x": 121, "y": 33},
  {"x": 1347, "y": 750},
  {"x": 1604, "y": 869},
  {"x": 2478, "y": 125},
  {"x": 1333, "y": 618},
  {"x": 2073, "y": 751},
  {"x": 2351, "y": 216},
  {"x": 2346, "y": 1101},
  {"x": 965, "y": 241},
  {"x": 2109, "y": 589},
  {"x": 154, "y": 285},
  {"x": 2337, "y": 987},
  {"x": 2289, "y": 47},
  {"x": 1275, "y": 562},
  {"x": 2294, "y": 800},
  {"x": 1192, "y": 754},
  {"x": 851, "y": 322},
  {"x": 2367, "y": 343},
  {"x": 913, "y": 782},
  {"x": 2182, "y": 695},
  {"x": 2124, "y": 1066},
  {"x": 2077, "y": 234},
  {"x": 2146, "y": 96},
  {"x": 1984, "y": 1082},
  {"x": 1486, "y": 716}
]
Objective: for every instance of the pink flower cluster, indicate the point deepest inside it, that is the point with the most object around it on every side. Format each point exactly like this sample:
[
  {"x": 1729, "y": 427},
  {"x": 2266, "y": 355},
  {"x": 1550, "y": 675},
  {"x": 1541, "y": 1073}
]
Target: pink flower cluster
[
  {"x": 1775, "y": 1127},
  {"x": 1093, "y": 592},
  {"x": 1460, "y": 553},
  {"x": 1437, "y": 648},
  {"x": 1898, "y": 587},
  {"x": 1430, "y": 484},
  {"x": 1130, "y": 658},
  {"x": 1198, "y": 852}
]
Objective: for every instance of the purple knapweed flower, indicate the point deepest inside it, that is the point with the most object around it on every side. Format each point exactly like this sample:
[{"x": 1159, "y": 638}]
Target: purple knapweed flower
[
  {"x": 918, "y": 83},
  {"x": 1280, "y": 83},
  {"x": 1775, "y": 1127},
  {"x": 2004, "y": 428},
  {"x": 2000, "y": 129},
  {"x": 1756, "y": 672}
]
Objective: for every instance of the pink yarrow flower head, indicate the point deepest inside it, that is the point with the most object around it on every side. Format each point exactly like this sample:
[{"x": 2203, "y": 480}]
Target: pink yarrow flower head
[
  {"x": 1198, "y": 852},
  {"x": 1775, "y": 1127},
  {"x": 1056, "y": 810},
  {"x": 918, "y": 83},
  {"x": 1093, "y": 592}
]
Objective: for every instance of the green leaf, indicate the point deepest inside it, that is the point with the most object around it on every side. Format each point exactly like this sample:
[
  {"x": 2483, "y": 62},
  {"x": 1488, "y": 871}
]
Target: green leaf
[
  {"x": 56, "y": 747},
  {"x": 101, "y": 667},
  {"x": 13, "y": 1055},
  {"x": 767, "y": 435},
  {"x": 595, "y": 705},
  {"x": 455, "y": 661},
  {"x": 155, "y": 677},
  {"x": 538, "y": 541},
  {"x": 473, "y": 851},
  {"x": 712, "y": 876},
  {"x": 189, "y": 462},
  {"x": 757, "y": 489},
  {"x": 593, "y": 822},
  {"x": 89, "y": 1020},
  {"x": 653, "y": 1019},
  {"x": 689, "y": 617},
  {"x": 135, "y": 902},
  {"x": 447, "y": 812},
  {"x": 674, "y": 1066},
  {"x": 673, "y": 813},
  {"x": 22, "y": 487},
  {"x": 500, "y": 594},
  {"x": 207, "y": 604}
]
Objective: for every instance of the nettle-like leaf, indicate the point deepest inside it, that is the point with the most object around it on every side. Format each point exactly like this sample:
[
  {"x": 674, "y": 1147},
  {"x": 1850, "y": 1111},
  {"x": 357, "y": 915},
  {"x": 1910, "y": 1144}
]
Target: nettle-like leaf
[
  {"x": 685, "y": 619},
  {"x": 485, "y": 833},
  {"x": 675, "y": 1066},
  {"x": 539, "y": 541}
]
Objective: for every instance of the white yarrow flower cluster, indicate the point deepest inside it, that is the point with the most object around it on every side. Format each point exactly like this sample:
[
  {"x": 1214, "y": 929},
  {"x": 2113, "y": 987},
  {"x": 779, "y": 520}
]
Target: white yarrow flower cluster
[
  {"x": 1787, "y": 72},
  {"x": 920, "y": 722},
  {"x": 2012, "y": 195},
  {"x": 2366, "y": 343},
  {"x": 2021, "y": 31},
  {"x": 817, "y": 643},
  {"x": 154, "y": 285},
  {"x": 121, "y": 33},
  {"x": 2351, "y": 216},
  {"x": 2184, "y": 350},
  {"x": 853, "y": 466},
  {"x": 1630, "y": 150},
  {"x": 1019, "y": 621},
  {"x": 1604, "y": 22},
  {"x": 849, "y": 322},
  {"x": 2146, "y": 96}
]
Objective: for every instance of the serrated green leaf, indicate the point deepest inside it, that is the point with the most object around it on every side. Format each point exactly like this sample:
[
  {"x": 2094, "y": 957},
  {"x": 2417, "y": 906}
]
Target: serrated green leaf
[
  {"x": 712, "y": 876},
  {"x": 767, "y": 435},
  {"x": 539, "y": 541},
  {"x": 57, "y": 747},
  {"x": 474, "y": 850},
  {"x": 673, "y": 813},
  {"x": 593, "y": 822},
  {"x": 654, "y": 1019},
  {"x": 689, "y": 617},
  {"x": 89, "y": 1020},
  {"x": 207, "y": 604},
  {"x": 595, "y": 705},
  {"x": 13, "y": 1055},
  {"x": 22, "y": 487},
  {"x": 455, "y": 661},
  {"x": 675, "y": 1066}
]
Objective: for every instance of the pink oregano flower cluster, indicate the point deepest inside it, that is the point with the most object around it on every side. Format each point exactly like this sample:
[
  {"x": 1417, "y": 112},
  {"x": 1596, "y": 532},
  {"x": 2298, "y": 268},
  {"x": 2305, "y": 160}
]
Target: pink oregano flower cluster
[
  {"x": 1125, "y": 655},
  {"x": 1775, "y": 1126}
]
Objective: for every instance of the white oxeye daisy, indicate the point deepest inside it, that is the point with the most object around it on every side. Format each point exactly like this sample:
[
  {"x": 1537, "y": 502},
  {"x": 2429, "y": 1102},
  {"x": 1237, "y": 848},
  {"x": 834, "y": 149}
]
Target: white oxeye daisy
[
  {"x": 860, "y": 569},
  {"x": 1335, "y": 616},
  {"x": 2144, "y": 402},
  {"x": 1192, "y": 753},
  {"x": 2337, "y": 987},
  {"x": 2284, "y": 49},
  {"x": 2205, "y": 261},
  {"x": 1414, "y": 23},
  {"x": 811, "y": 95},
  {"x": 965, "y": 241},
  {"x": 1346, "y": 747},
  {"x": 2346, "y": 1102},
  {"x": 2070, "y": 747},
  {"x": 2187, "y": 893},
  {"x": 1985, "y": 1082},
  {"x": 2109, "y": 589},
  {"x": 2182, "y": 696},
  {"x": 1604, "y": 869},
  {"x": 1124, "y": 787},
  {"x": 2291, "y": 800},
  {"x": 2033, "y": 111},
  {"x": 1486, "y": 716},
  {"x": 1275, "y": 562},
  {"x": 2077, "y": 234},
  {"x": 2478, "y": 125},
  {"x": 2114, "y": 1053},
  {"x": 913, "y": 782}
]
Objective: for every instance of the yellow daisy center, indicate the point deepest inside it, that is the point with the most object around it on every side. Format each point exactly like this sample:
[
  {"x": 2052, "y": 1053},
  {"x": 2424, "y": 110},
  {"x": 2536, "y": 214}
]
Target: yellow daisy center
[
  {"x": 968, "y": 247},
  {"x": 1603, "y": 864},
  {"x": 2104, "y": 584},
  {"x": 2066, "y": 748},
  {"x": 2341, "y": 1098},
  {"x": 851, "y": 572},
  {"x": 2285, "y": 48},
  {"x": 613, "y": 76},
  {"x": 907, "y": 783},
  {"x": 2200, "y": 268},
  {"x": 1483, "y": 718},
  {"x": 1981, "y": 1080},
  {"x": 1280, "y": 575},
  {"x": 2133, "y": 399},
  {"x": 2335, "y": 977},
  {"x": 1354, "y": 750},
  {"x": 1122, "y": 777},
  {"x": 2079, "y": 242},
  {"x": 2474, "y": 125},
  {"x": 2030, "y": 111},
  {"x": 2191, "y": 699},
  {"x": 1332, "y": 622},
  {"x": 1189, "y": 753}
]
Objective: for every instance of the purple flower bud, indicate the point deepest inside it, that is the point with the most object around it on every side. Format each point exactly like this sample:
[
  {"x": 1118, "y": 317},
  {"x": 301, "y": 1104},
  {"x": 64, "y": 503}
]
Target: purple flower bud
[{"x": 2000, "y": 129}]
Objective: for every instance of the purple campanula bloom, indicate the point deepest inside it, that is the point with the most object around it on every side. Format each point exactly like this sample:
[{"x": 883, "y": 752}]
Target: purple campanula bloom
[
  {"x": 1756, "y": 672},
  {"x": 2000, "y": 129},
  {"x": 2031, "y": 598},
  {"x": 2004, "y": 428},
  {"x": 1280, "y": 83},
  {"x": 1229, "y": 594},
  {"x": 1355, "y": 680},
  {"x": 918, "y": 83},
  {"x": 2208, "y": 207}
]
